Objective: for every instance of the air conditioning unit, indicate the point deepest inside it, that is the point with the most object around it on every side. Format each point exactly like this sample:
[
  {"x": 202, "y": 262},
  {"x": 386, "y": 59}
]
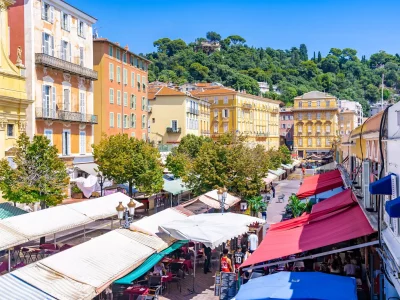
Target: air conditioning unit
[{"x": 392, "y": 222}]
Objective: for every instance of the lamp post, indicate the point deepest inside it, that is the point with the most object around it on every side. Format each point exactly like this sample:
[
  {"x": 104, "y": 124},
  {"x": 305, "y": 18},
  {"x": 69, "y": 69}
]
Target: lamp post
[
  {"x": 126, "y": 213},
  {"x": 100, "y": 179},
  {"x": 222, "y": 194}
]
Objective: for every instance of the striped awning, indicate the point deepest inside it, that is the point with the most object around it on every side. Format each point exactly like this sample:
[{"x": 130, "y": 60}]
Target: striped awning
[{"x": 277, "y": 172}]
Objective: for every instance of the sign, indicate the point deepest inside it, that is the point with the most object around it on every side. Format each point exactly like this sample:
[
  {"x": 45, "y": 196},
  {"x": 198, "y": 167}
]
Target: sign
[
  {"x": 228, "y": 285},
  {"x": 217, "y": 284}
]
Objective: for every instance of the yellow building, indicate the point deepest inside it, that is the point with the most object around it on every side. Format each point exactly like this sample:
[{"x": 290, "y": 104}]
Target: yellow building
[
  {"x": 13, "y": 97},
  {"x": 236, "y": 112},
  {"x": 315, "y": 123},
  {"x": 174, "y": 114}
]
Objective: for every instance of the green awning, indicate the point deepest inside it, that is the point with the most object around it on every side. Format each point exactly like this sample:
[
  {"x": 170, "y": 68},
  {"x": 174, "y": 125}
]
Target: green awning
[
  {"x": 174, "y": 187},
  {"x": 277, "y": 172},
  {"x": 7, "y": 210},
  {"x": 287, "y": 166},
  {"x": 149, "y": 263}
]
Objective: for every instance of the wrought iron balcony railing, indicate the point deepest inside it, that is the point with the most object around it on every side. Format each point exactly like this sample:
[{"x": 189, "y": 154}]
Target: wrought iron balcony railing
[
  {"x": 246, "y": 106},
  {"x": 65, "y": 66},
  {"x": 65, "y": 116},
  {"x": 173, "y": 130},
  {"x": 192, "y": 110}
]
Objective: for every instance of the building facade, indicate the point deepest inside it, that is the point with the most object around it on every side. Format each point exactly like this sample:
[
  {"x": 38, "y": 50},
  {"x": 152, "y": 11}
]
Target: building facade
[
  {"x": 315, "y": 123},
  {"x": 240, "y": 113},
  {"x": 121, "y": 91},
  {"x": 59, "y": 70},
  {"x": 286, "y": 126},
  {"x": 13, "y": 97},
  {"x": 175, "y": 114}
]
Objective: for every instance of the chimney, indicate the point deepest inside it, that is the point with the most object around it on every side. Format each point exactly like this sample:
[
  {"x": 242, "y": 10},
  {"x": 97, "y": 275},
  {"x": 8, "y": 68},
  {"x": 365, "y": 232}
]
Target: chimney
[
  {"x": 126, "y": 48},
  {"x": 117, "y": 43}
]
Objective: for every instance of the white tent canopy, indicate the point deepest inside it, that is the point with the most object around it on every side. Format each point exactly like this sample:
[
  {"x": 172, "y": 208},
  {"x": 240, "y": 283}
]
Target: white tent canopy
[
  {"x": 211, "y": 199},
  {"x": 210, "y": 229}
]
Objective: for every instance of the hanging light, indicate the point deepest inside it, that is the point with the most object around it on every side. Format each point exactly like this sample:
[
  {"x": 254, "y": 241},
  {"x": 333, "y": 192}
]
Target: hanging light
[
  {"x": 225, "y": 192},
  {"x": 120, "y": 209},
  {"x": 131, "y": 207},
  {"x": 220, "y": 193}
]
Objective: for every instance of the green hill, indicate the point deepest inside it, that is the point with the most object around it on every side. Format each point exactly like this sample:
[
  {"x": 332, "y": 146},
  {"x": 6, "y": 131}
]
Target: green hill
[{"x": 289, "y": 73}]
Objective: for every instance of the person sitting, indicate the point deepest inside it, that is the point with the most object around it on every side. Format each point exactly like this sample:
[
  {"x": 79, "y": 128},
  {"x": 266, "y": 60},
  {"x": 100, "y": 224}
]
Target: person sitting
[
  {"x": 226, "y": 264},
  {"x": 159, "y": 269}
]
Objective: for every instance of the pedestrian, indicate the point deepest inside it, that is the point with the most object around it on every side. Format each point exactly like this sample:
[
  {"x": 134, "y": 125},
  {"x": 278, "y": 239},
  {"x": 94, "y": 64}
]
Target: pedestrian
[
  {"x": 253, "y": 242},
  {"x": 303, "y": 170},
  {"x": 226, "y": 263},
  {"x": 207, "y": 260},
  {"x": 27, "y": 208},
  {"x": 273, "y": 190},
  {"x": 238, "y": 258},
  {"x": 349, "y": 269}
]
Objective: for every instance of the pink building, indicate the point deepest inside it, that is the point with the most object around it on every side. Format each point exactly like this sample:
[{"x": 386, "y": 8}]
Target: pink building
[{"x": 286, "y": 126}]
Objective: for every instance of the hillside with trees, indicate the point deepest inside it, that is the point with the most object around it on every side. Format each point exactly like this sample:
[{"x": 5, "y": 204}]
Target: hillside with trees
[{"x": 289, "y": 73}]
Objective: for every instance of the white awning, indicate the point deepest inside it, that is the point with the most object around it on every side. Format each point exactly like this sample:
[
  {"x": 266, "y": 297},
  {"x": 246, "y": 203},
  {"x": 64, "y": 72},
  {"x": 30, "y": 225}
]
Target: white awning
[
  {"x": 270, "y": 177},
  {"x": 88, "y": 168},
  {"x": 150, "y": 224},
  {"x": 9, "y": 238},
  {"x": 103, "y": 207},
  {"x": 150, "y": 241},
  {"x": 13, "y": 288},
  {"x": 211, "y": 199},
  {"x": 210, "y": 229}
]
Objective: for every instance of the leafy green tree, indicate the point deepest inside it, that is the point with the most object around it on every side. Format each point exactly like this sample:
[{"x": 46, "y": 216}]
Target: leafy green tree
[
  {"x": 213, "y": 36},
  {"x": 319, "y": 56},
  {"x": 39, "y": 176},
  {"x": 128, "y": 160},
  {"x": 303, "y": 52},
  {"x": 198, "y": 71},
  {"x": 296, "y": 206},
  {"x": 162, "y": 44},
  {"x": 237, "y": 39},
  {"x": 256, "y": 204},
  {"x": 372, "y": 93},
  {"x": 275, "y": 158},
  {"x": 286, "y": 156}
]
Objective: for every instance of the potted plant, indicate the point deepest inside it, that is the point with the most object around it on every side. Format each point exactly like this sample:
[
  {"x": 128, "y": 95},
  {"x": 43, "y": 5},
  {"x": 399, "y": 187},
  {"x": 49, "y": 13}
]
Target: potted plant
[
  {"x": 256, "y": 205},
  {"x": 76, "y": 193}
]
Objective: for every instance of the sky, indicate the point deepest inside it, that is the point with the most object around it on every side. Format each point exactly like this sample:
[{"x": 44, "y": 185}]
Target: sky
[{"x": 367, "y": 26}]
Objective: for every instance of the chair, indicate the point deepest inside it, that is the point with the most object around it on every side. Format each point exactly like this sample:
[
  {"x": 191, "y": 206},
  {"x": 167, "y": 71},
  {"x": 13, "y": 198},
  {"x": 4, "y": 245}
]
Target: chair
[
  {"x": 3, "y": 266},
  {"x": 155, "y": 287},
  {"x": 17, "y": 266},
  {"x": 65, "y": 247},
  {"x": 178, "y": 278},
  {"x": 175, "y": 268}
]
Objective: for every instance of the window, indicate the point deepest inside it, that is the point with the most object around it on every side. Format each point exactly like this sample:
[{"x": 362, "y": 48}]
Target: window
[
  {"x": 111, "y": 95},
  {"x": 117, "y": 53},
  {"x": 318, "y": 103},
  {"x": 49, "y": 134},
  {"x": 328, "y": 142},
  {"x": 118, "y": 74},
  {"x": 119, "y": 120},
  {"x": 66, "y": 100},
  {"x": 328, "y": 128},
  {"x": 310, "y": 142},
  {"x": 300, "y": 141},
  {"x": 309, "y": 116},
  {"x": 81, "y": 29},
  {"x": 144, "y": 121},
  {"x": 133, "y": 134},
  {"x": 125, "y": 76},
  {"x": 215, "y": 113},
  {"x": 283, "y": 126},
  {"x": 110, "y": 50},
  {"x": 111, "y": 120},
  {"x": 66, "y": 142},
  {"x": 119, "y": 97},
  {"x": 82, "y": 104},
  {"x": 341, "y": 118},
  {"x": 47, "y": 44},
  {"x": 111, "y": 71},
  {"x": 144, "y": 83},
  {"x": 133, "y": 101},
  {"x": 125, "y": 99},
  {"x": 300, "y": 104},
  {"x": 318, "y": 116},
  {"x": 318, "y": 128},
  {"x": 48, "y": 101},
  {"x": 144, "y": 136},
  {"x": 133, "y": 121},
  {"x": 215, "y": 100},
  {"x": 215, "y": 128},
  {"x": 318, "y": 142},
  {"x": 81, "y": 56},
  {"x": 47, "y": 12},
  {"x": 300, "y": 116},
  {"x": 65, "y": 21},
  {"x": 132, "y": 79},
  {"x": 65, "y": 51},
  {"x": 309, "y": 103},
  {"x": 143, "y": 103},
  {"x": 328, "y": 103},
  {"x": 10, "y": 130},
  {"x": 138, "y": 81},
  {"x": 82, "y": 142},
  {"x": 225, "y": 127},
  {"x": 328, "y": 115},
  {"x": 126, "y": 121},
  {"x": 225, "y": 113},
  {"x": 309, "y": 128},
  {"x": 124, "y": 57},
  {"x": 225, "y": 100}
]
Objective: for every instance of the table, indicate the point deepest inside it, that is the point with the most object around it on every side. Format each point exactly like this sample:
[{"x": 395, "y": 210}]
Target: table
[{"x": 140, "y": 291}]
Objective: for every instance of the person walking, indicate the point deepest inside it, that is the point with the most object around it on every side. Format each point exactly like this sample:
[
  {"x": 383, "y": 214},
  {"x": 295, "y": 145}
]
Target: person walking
[
  {"x": 207, "y": 260},
  {"x": 238, "y": 258},
  {"x": 253, "y": 242},
  {"x": 226, "y": 263},
  {"x": 273, "y": 191}
]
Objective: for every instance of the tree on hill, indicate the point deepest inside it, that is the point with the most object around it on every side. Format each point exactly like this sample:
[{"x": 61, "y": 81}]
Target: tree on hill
[
  {"x": 212, "y": 36},
  {"x": 236, "y": 39}
]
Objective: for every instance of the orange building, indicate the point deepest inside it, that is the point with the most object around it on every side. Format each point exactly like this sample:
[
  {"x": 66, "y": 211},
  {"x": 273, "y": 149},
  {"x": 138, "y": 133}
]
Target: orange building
[{"x": 121, "y": 90}]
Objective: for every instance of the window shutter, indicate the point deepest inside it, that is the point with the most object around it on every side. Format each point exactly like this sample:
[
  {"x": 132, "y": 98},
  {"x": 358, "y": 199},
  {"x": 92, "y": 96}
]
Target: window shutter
[
  {"x": 69, "y": 52},
  {"x": 69, "y": 23},
  {"x": 53, "y": 102},
  {"x": 43, "y": 11},
  {"x": 84, "y": 30},
  {"x": 43, "y": 97},
  {"x": 63, "y": 25},
  {"x": 51, "y": 46},
  {"x": 51, "y": 14},
  {"x": 43, "y": 43}
]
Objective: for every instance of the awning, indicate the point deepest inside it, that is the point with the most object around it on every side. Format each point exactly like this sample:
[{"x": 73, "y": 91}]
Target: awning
[
  {"x": 382, "y": 186},
  {"x": 328, "y": 194},
  {"x": 8, "y": 210},
  {"x": 88, "y": 168},
  {"x": 13, "y": 288},
  {"x": 175, "y": 187},
  {"x": 299, "y": 286},
  {"x": 270, "y": 177},
  {"x": 211, "y": 200},
  {"x": 328, "y": 167},
  {"x": 277, "y": 172},
  {"x": 148, "y": 264},
  {"x": 332, "y": 221},
  {"x": 287, "y": 167},
  {"x": 320, "y": 183},
  {"x": 210, "y": 229}
]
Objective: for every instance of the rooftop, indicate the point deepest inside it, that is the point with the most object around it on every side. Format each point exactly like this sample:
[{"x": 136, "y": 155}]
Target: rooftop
[
  {"x": 314, "y": 95},
  {"x": 104, "y": 40}
]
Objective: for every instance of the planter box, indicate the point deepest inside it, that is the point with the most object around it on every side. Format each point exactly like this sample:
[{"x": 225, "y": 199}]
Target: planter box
[{"x": 77, "y": 195}]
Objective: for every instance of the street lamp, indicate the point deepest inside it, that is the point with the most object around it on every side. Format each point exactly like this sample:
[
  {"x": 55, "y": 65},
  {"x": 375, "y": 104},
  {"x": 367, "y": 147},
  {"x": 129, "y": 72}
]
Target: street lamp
[
  {"x": 126, "y": 213},
  {"x": 222, "y": 194},
  {"x": 100, "y": 179}
]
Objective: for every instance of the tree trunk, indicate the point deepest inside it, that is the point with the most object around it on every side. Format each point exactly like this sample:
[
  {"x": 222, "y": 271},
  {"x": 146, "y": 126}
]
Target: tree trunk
[
  {"x": 130, "y": 189},
  {"x": 43, "y": 238}
]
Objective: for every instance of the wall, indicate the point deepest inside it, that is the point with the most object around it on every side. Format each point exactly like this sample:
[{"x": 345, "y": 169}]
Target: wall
[{"x": 17, "y": 31}]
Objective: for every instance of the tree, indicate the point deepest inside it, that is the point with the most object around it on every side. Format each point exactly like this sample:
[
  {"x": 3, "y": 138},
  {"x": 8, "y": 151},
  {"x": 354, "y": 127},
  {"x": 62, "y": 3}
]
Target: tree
[
  {"x": 212, "y": 36},
  {"x": 286, "y": 157},
  {"x": 198, "y": 71},
  {"x": 256, "y": 204},
  {"x": 296, "y": 206},
  {"x": 372, "y": 93},
  {"x": 319, "y": 56},
  {"x": 237, "y": 39},
  {"x": 39, "y": 176},
  {"x": 303, "y": 52},
  {"x": 162, "y": 44},
  {"x": 128, "y": 160}
]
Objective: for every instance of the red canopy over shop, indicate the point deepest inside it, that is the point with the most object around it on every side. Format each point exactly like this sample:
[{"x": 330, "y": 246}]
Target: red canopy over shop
[
  {"x": 332, "y": 221},
  {"x": 320, "y": 183}
]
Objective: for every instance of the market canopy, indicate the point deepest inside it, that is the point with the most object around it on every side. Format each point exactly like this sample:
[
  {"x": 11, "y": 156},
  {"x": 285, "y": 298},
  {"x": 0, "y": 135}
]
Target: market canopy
[
  {"x": 331, "y": 221},
  {"x": 211, "y": 200},
  {"x": 7, "y": 210},
  {"x": 298, "y": 286},
  {"x": 211, "y": 229},
  {"x": 287, "y": 166},
  {"x": 174, "y": 186},
  {"x": 89, "y": 168},
  {"x": 328, "y": 167},
  {"x": 277, "y": 172},
  {"x": 270, "y": 177},
  {"x": 320, "y": 183}
]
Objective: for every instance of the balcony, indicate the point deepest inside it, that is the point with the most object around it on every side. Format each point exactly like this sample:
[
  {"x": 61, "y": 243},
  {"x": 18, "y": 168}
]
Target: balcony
[
  {"x": 173, "y": 130},
  {"x": 246, "y": 106},
  {"x": 192, "y": 111},
  {"x": 65, "y": 66},
  {"x": 149, "y": 109},
  {"x": 64, "y": 116},
  {"x": 315, "y": 108},
  {"x": 205, "y": 132},
  {"x": 225, "y": 119}
]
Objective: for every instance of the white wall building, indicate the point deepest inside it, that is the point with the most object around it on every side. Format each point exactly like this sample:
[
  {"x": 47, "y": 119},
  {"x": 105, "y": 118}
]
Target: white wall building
[{"x": 352, "y": 106}]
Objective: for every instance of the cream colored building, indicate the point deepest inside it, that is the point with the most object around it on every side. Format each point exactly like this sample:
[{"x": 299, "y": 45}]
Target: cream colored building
[
  {"x": 175, "y": 114},
  {"x": 236, "y": 112},
  {"x": 315, "y": 123},
  {"x": 13, "y": 97}
]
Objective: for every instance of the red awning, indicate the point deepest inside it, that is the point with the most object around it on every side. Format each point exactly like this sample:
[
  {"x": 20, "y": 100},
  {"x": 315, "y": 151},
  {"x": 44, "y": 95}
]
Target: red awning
[
  {"x": 320, "y": 183},
  {"x": 332, "y": 221}
]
